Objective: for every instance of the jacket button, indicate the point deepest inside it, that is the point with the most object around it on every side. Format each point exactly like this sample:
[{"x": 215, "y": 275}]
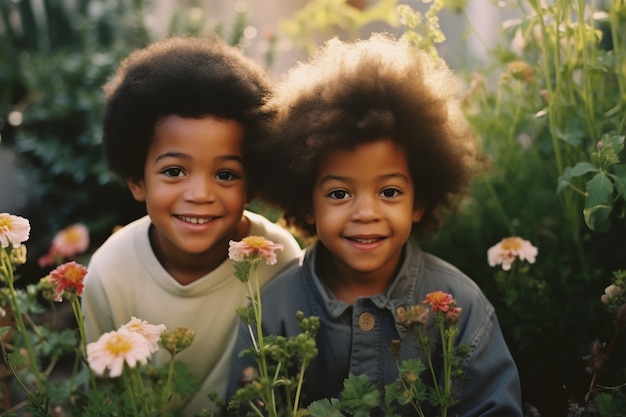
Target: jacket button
[{"x": 366, "y": 321}]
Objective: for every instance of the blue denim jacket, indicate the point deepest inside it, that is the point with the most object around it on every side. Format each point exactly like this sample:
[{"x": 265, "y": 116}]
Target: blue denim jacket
[{"x": 356, "y": 338}]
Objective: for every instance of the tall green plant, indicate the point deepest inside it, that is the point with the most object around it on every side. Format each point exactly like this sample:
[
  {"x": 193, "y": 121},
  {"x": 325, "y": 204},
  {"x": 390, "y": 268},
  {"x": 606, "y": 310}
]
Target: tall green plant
[{"x": 549, "y": 112}]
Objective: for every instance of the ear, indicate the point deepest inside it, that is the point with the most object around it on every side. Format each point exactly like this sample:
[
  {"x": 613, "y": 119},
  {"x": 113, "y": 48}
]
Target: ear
[
  {"x": 418, "y": 212},
  {"x": 137, "y": 189}
]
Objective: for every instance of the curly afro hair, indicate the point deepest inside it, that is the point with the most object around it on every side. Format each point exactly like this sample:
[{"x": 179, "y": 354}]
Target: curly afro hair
[
  {"x": 188, "y": 77},
  {"x": 349, "y": 93}
]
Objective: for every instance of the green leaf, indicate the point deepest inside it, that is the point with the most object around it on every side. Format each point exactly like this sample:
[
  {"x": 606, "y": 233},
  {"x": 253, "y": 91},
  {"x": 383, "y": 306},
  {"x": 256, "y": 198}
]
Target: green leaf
[
  {"x": 16, "y": 359},
  {"x": 619, "y": 179},
  {"x": 325, "y": 408},
  {"x": 597, "y": 218},
  {"x": 4, "y": 330},
  {"x": 598, "y": 204},
  {"x": 359, "y": 395},
  {"x": 581, "y": 168},
  {"x": 609, "y": 405},
  {"x": 599, "y": 191}
]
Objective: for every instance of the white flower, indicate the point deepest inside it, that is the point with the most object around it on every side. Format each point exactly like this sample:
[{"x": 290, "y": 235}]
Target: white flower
[
  {"x": 509, "y": 249},
  {"x": 151, "y": 332},
  {"x": 13, "y": 230},
  {"x": 114, "y": 348}
]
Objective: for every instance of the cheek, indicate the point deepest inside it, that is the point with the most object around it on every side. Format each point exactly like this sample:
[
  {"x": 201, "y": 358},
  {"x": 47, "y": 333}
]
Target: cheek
[{"x": 236, "y": 197}]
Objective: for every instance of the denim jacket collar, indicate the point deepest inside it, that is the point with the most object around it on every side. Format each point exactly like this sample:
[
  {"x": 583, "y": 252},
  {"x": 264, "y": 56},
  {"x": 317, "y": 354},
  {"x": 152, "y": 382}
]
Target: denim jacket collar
[{"x": 399, "y": 293}]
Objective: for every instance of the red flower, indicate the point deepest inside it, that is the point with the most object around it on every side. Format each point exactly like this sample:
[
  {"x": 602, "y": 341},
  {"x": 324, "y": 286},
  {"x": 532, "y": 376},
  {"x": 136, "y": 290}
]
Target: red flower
[{"x": 68, "y": 276}]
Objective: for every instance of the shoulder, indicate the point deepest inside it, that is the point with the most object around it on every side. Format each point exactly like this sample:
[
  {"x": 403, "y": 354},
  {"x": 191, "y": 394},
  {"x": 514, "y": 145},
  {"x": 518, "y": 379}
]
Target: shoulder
[
  {"x": 290, "y": 279},
  {"x": 440, "y": 275},
  {"x": 123, "y": 247}
]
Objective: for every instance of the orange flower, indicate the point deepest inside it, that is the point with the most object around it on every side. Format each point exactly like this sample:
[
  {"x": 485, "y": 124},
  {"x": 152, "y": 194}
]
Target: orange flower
[
  {"x": 68, "y": 276},
  {"x": 252, "y": 247},
  {"x": 441, "y": 301}
]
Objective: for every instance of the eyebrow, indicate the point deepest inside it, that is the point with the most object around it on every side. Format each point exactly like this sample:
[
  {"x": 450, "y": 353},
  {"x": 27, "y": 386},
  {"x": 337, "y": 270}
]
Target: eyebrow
[
  {"x": 327, "y": 178},
  {"x": 222, "y": 158}
]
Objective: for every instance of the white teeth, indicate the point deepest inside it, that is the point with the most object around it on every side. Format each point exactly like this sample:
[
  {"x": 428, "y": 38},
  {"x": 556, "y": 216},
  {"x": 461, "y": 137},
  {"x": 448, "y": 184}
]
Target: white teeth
[
  {"x": 366, "y": 240},
  {"x": 194, "y": 220}
]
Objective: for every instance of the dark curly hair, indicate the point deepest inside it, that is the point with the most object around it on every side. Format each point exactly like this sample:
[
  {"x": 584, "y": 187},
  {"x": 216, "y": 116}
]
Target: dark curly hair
[
  {"x": 188, "y": 77},
  {"x": 349, "y": 93}
]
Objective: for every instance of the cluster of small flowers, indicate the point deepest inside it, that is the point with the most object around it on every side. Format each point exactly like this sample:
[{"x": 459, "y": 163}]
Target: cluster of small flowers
[
  {"x": 438, "y": 302},
  {"x": 133, "y": 343}
]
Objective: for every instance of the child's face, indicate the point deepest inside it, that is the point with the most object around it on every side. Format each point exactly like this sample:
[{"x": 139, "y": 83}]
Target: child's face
[
  {"x": 363, "y": 208},
  {"x": 194, "y": 184}
]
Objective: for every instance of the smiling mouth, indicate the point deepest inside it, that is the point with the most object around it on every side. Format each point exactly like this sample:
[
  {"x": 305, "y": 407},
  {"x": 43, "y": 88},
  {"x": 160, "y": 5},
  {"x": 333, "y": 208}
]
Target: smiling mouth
[
  {"x": 365, "y": 241},
  {"x": 195, "y": 220}
]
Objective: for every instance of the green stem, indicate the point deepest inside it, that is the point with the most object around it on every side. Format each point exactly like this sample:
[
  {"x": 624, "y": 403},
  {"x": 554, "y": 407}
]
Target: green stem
[
  {"x": 12, "y": 369},
  {"x": 78, "y": 315},
  {"x": 296, "y": 403},
  {"x": 426, "y": 345},
  {"x": 131, "y": 392},
  {"x": 255, "y": 298},
  {"x": 19, "y": 320},
  {"x": 168, "y": 382}
]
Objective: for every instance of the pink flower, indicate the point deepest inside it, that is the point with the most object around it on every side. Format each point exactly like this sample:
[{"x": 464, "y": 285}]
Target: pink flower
[
  {"x": 67, "y": 243},
  {"x": 254, "y": 247},
  {"x": 71, "y": 241},
  {"x": 13, "y": 230},
  {"x": 442, "y": 302},
  {"x": 151, "y": 332},
  {"x": 509, "y": 249},
  {"x": 115, "y": 348},
  {"x": 69, "y": 276}
]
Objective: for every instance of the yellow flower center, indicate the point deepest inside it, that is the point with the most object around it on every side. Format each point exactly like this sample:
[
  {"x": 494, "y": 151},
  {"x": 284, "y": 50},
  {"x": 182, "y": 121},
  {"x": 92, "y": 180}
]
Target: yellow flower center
[
  {"x": 255, "y": 242},
  {"x": 118, "y": 345},
  {"x": 72, "y": 236},
  {"x": 5, "y": 222},
  {"x": 511, "y": 244},
  {"x": 74, "y": 275}
]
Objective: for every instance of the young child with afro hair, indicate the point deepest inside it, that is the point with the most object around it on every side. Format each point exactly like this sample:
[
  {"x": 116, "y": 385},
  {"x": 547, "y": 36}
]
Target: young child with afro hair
[
  {"x": 181, "y": 119},
  {"x": 370, "y": 147}
]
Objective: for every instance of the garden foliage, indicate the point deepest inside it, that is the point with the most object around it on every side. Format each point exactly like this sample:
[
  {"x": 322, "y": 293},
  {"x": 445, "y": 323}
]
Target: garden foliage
[{"x": 548, "y": 107}]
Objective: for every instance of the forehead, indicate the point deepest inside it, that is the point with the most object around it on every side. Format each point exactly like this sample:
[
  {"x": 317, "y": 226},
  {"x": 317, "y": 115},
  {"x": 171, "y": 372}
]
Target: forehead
[
  {"x": 380, "y": 157},
  {"x": 198, "y": 136}
]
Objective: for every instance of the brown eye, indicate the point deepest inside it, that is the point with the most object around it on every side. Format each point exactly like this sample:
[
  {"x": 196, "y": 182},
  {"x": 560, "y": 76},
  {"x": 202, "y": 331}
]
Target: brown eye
[
  {"x": 226, "y": 176},
  {"x": 390, "y": 192},
  {"x": 172, "y": 172},
  {"x": 338, "y": 194}
]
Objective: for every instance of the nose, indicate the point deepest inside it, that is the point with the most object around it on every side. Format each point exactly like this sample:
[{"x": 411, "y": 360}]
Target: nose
[
  {"x": 365, "y": 209},
  {"x": 200, "y": 189}
]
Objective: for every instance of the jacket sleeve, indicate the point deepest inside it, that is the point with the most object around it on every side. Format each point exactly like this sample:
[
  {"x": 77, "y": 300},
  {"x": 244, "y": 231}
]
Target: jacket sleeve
[{"x": 490, "y": 387}]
